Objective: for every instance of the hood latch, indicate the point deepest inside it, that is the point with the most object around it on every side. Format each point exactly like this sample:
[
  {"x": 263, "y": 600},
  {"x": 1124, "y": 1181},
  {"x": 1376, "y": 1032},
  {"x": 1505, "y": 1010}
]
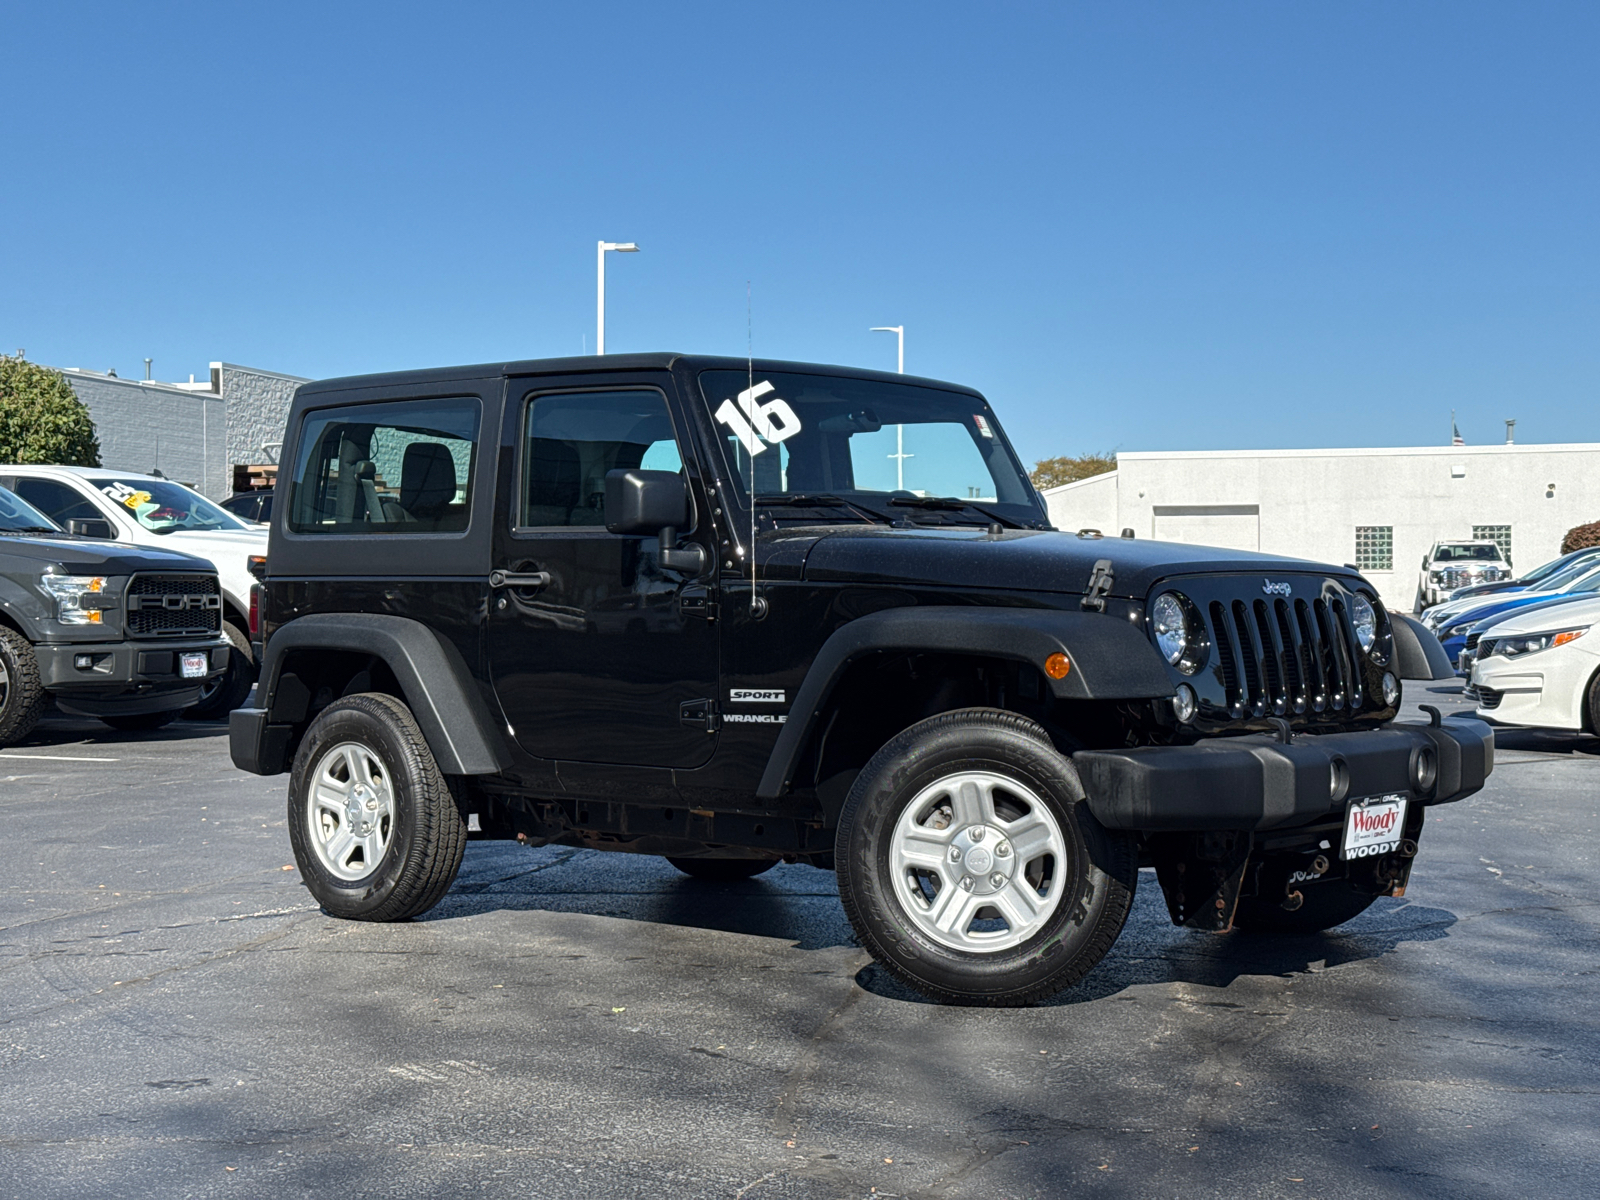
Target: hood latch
[{"x": 1100, "y": 581}]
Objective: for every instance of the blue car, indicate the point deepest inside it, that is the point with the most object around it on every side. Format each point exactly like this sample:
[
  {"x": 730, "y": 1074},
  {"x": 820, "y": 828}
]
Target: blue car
[{"x": 1454, "y": 634}]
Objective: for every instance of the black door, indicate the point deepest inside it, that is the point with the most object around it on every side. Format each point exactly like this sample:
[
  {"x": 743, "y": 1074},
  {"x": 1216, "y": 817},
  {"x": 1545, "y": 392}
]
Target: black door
[{"x": 594, "y": 655}]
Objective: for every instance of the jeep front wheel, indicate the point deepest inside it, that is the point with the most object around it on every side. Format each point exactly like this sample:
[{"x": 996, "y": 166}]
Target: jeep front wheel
[
  {"x": 376, "y": 832},
  {"x": 971, "y": 867}
]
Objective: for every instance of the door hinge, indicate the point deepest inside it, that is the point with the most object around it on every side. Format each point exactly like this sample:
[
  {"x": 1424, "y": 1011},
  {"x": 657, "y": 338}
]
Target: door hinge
[
  {"x": 700, "y": 714},
  {"x": 697, "y": 602},
  {"x": 1100, "y": 580}
]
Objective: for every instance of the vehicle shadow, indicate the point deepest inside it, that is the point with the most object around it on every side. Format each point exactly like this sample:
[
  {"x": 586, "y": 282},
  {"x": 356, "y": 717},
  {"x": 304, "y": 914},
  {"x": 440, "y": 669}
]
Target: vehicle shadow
[
  {"x": 1547, "y": 741},
  {"x": 58, "y": 729}
]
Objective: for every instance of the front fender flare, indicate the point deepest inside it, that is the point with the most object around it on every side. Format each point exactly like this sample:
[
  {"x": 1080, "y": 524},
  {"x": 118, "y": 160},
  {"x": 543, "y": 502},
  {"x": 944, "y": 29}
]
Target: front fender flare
[
  {"x": 1417, "y": 652},
  {"x": 1110, "y": 659},
  {"x": 435, "y": 680}
]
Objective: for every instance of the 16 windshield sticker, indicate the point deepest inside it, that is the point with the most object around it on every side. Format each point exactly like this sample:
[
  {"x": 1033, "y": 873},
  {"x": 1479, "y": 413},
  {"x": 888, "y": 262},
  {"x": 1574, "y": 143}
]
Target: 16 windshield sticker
[{"x": 751, "y": 421}]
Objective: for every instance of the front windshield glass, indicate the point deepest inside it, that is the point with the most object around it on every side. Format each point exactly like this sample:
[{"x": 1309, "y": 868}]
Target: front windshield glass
[
  {"x": 887, "y": 448},
  {"x": 1564, "y": 578},
  {"x": 1466, "y": 553},
  {"x": 162, "y": 506},
  {"x": 18, "y": 516}
]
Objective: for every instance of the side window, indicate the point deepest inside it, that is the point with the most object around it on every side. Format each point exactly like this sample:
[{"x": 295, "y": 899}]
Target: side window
[
  {"x": 570, "y": 441},
  {"x": 59, "y": 501},
  {"x": 403, "y": 466}
]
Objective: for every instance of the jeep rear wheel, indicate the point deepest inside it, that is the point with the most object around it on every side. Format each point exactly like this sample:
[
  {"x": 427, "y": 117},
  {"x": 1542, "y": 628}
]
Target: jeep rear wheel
[
  {"x": 376, "y": 832},
  {"x": 971, "y": 867}
]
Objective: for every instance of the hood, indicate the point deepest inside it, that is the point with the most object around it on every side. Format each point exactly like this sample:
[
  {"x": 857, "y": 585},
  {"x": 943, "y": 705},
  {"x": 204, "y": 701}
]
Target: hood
[
  {"x": 246, "y": 541},
  {"x": 88, "y": 556},
  {"x": 1551, "y": 614},
  {"x": 1023, "y": 560}
]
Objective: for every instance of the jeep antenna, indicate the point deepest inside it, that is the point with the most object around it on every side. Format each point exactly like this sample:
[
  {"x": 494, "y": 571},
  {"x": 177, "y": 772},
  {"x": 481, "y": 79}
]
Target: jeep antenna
[{"x": 758, "y": 606}]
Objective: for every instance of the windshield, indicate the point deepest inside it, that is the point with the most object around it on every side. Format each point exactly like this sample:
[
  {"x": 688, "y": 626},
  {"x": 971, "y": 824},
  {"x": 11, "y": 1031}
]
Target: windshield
[
  {"x": 886, "y": 448},
  {"x": 18, "y": 516},
  {"x": 1466, "y": 553},
  {"x": 1562, "y": 579},
  {"x": 162, "y": 506}
]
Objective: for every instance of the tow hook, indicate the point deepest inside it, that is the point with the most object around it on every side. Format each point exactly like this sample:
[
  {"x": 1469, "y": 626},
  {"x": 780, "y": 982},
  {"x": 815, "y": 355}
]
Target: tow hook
[
  {"x": 1293, "y": 898},
  {"x": 1293, "y": 901}
]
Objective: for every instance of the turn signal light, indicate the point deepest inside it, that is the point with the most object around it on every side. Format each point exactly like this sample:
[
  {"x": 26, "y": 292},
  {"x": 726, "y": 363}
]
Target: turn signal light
[
  {"x": 1057, "y": 666},
  {"x": 1571, "y": 635}
]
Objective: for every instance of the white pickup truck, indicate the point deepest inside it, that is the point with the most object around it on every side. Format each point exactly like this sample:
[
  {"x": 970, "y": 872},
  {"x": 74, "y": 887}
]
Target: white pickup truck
[
  {"x": 1451, "y": 566},
  {"x": 147, "y": 510}
]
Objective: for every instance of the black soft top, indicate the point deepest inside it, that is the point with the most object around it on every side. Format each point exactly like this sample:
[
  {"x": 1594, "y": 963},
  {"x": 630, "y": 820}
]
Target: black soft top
[{"x": 658, "y": 361}]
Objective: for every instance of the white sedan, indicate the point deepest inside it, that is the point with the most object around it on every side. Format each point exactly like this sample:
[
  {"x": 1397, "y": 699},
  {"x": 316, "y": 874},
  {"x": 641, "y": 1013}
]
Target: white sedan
[{"x": 1542, "y": 668}]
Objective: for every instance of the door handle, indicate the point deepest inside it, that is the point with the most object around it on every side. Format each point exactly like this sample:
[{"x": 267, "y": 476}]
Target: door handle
[{"x": 519, "y": 579}]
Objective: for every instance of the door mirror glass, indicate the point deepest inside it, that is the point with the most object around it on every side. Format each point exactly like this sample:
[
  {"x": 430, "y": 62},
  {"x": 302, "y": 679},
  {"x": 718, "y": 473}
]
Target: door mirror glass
[
  {"x": 645, "y": 502},
  {"x": 91, "y": 527}
]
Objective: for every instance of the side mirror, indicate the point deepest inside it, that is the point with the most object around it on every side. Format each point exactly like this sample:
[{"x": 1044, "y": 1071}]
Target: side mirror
[
  {"x": 646, "y": 502},
  {"x": 92, "y": 527}
]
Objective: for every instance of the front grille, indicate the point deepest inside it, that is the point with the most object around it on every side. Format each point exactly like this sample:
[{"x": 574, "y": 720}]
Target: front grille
[
  {"x": 1488, "y": 697},
  {"x": 1283, "y": 656},
  {"x": 173, "y": 605},
  {"x": 1473, "y": 639}
]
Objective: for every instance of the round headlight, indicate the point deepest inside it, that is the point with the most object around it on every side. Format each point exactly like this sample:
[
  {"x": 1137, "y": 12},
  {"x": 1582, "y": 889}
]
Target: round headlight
[
  {"x": 1169, "y": 626},
  {"x": 1364, "y": 620}
]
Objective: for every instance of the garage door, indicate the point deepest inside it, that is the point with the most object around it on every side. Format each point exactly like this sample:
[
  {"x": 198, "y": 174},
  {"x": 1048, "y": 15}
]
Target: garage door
[{"x": 1231, "y": 526}]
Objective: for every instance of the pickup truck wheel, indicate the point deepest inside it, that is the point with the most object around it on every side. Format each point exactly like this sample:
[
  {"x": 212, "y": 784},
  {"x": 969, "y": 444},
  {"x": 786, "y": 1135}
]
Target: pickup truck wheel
[
  {"x": 21, "y": 694},
  {"x": 722, "y": 870},
  {"x": 376, "y": 832},
  {"x": 1325, "y": 905},
  {"x": 971, "y": 867},
  {"x": 220, "y": 696},
  {"x": 143, "y": 721}
]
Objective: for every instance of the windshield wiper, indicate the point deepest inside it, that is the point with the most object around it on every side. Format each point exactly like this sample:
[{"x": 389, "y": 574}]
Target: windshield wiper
[
  {"x": 820, "y": 500},
  {"x": 952, "y": 504},
  {"x": 30, "y": 529}
]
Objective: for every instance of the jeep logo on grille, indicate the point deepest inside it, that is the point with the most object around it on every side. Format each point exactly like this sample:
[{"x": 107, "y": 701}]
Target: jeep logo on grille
[
  {"x": 176, "y": 602},
  {"x": 1274, "y": 589}
]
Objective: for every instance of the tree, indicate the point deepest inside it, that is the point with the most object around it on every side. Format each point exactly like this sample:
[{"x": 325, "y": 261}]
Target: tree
[
  {"x": 41, "y": 418},
  {"x": 1581, "y": 537},
  {"x": 1053, "y": 472}
]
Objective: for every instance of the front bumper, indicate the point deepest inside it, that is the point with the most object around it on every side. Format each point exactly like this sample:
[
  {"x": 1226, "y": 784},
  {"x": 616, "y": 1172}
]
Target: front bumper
[
  {"x": 126, "y": 678},
  {"x": 1259, "y": 782}
]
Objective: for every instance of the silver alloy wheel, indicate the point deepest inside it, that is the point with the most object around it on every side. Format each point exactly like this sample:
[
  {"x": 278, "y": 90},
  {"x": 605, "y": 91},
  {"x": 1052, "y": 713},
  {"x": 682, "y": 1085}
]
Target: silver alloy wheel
[
  {"x": 5, "y": 683},
  {"x": 350, "y": 810},
  {"x": 979, "y": 862}
]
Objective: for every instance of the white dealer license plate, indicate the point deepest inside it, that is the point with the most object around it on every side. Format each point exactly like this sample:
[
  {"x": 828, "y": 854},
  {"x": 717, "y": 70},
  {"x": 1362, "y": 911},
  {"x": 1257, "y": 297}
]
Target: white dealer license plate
[
  {"x": 1374, "y": 826},
  {"x": 194, "y": 666}
]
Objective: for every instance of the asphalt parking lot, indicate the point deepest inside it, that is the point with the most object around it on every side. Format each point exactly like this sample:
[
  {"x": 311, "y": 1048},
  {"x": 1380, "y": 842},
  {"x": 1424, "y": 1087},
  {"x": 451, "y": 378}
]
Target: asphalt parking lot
[{"x": 178, "y": 1019}]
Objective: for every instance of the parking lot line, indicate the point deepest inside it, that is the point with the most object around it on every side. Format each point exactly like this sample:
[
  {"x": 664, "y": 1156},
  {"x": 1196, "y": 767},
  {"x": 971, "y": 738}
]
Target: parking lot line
[{"x": 61, "y": 758}]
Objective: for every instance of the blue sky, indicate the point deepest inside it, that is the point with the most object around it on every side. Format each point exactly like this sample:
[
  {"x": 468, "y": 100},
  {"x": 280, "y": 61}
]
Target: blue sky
[{"x": 1133, "y": 226}]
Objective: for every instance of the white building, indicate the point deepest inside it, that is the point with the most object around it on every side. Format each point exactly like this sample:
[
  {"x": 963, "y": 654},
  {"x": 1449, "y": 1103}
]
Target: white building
[
  {"x": 1379, "y": 509},
  {"x": 193, "y": 432}
]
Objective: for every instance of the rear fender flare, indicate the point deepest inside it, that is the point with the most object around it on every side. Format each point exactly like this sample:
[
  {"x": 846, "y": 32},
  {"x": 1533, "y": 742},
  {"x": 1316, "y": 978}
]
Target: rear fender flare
[
  {"x": 1110, "y": 659},
  {"x": 436, "y": 683}
]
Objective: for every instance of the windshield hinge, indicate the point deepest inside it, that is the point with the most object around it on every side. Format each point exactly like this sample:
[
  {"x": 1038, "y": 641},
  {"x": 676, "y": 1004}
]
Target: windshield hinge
[{"x": 1100, "y": 580}]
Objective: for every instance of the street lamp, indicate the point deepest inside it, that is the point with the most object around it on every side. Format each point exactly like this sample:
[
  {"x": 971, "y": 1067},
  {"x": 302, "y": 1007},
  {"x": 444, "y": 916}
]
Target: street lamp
[
  {"x": 600, "y": 299},
  {"x": 899, "y": 454}
]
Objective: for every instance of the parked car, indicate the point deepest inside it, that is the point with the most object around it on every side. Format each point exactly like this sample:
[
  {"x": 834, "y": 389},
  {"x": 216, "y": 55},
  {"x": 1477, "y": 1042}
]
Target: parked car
[
  {"x": 1460, "y": 626},
  {"x": 641, "y": 603},
  {"x": 1542, "y": 668},
  {"x": 128, "y": 634},
  {"x": 146, "y": 510},
  {"x": 250, "y": 506},
  {"x": 1577, "y": 558},
  {"x": 1451, "y": 566}
]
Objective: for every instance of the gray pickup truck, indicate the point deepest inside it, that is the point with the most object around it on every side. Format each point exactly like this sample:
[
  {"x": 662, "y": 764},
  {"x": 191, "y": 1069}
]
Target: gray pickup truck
[{"x": 125, "y": 634}]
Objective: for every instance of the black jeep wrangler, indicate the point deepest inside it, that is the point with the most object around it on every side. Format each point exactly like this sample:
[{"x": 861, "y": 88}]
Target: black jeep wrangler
[{"x": 739, "y": 613}]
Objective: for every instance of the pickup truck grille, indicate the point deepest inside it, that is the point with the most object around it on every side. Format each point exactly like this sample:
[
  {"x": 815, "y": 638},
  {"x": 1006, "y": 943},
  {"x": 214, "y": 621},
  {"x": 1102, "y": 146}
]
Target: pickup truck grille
[
  {"x": 173, "y": 605},
  {"x": 1451, "y": 578},
  {"x": 1283, "y": 657}
]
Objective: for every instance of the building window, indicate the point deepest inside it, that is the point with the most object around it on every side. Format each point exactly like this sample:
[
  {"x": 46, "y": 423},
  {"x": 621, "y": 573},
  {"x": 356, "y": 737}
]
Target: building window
[
  {"x": 1500, "y": 535},
  {"x": 1374, "y": 547}
]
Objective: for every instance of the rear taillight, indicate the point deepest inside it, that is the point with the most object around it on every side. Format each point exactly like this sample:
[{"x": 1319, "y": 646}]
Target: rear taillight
[{"x": 255, "y": 609}]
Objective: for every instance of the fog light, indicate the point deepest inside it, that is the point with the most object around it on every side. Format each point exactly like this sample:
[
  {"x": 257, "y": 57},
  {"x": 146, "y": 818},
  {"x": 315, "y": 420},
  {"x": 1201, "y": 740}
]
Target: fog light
[
  {"x": 1184, "y": 703},
  {"x": 1391, "y": 690},
  {"x": 84, "y": 662}
]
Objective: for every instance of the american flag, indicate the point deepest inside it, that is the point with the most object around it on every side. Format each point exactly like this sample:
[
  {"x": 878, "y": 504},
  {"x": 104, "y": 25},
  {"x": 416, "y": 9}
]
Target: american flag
[{"x": 1455, "y": 431}]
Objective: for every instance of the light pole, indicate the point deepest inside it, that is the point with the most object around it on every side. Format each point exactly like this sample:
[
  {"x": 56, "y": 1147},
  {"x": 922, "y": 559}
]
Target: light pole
[
  {"x": 600, "y": 295},
  {"x": 899, "y": 454}
]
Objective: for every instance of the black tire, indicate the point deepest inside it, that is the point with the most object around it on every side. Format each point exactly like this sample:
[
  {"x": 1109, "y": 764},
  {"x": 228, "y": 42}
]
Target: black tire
[
  {"x": 722, "y": 870},
  {"x": 1592, "y": 721},
  {"x": 22, "y": 696},
  {"x": 222, "y": 695},
  {"x": 1326, "y": 905},
  {"x": 143, "y": 722},
  {"x": 1092, "y": 889},
  {"x": 424, "y": 837}
]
